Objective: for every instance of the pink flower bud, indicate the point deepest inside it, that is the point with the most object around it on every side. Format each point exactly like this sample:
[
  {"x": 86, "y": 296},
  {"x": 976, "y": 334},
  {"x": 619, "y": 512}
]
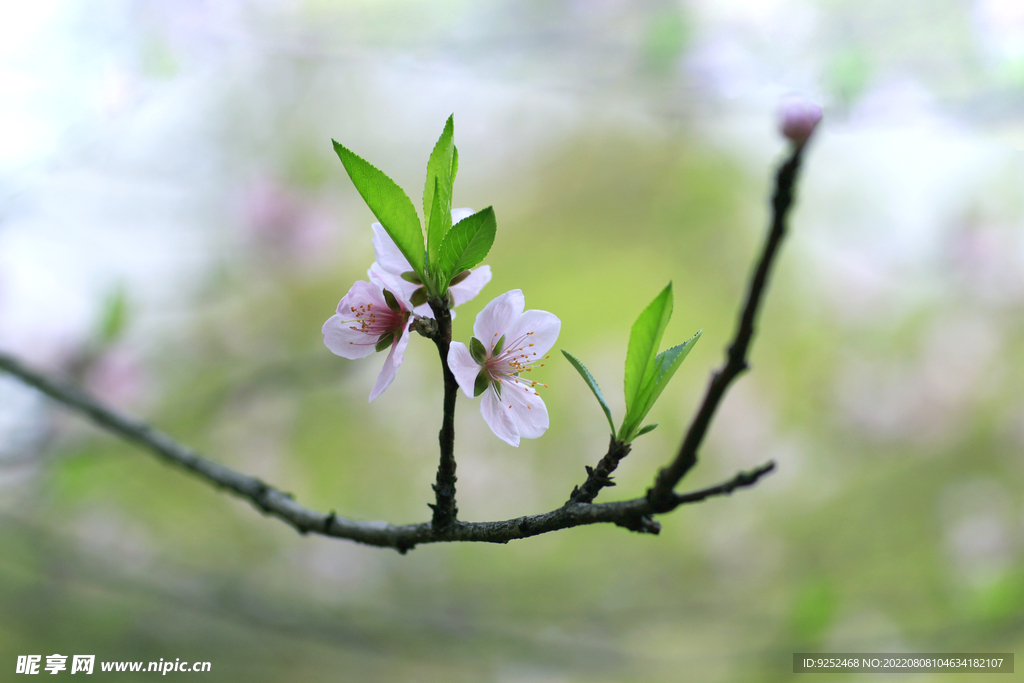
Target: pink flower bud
[{"x": 797, "y": 119}]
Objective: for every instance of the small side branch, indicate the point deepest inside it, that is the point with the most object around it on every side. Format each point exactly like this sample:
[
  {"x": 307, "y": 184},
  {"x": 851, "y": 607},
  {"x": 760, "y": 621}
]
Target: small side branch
[
  {"x": 741, "y": 480},
  {"x": 445, "y": 509},
  {"x": 661, "y": 494},
  {"x": 632, "y": 514},
  {"x": 600, "y": 476}
]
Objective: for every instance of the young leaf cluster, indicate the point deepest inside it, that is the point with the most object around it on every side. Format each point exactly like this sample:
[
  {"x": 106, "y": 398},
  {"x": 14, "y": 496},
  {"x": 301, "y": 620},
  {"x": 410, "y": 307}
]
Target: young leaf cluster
[
  {"x": 441, "y": 252},
  {"x": 647, "y": 371}
]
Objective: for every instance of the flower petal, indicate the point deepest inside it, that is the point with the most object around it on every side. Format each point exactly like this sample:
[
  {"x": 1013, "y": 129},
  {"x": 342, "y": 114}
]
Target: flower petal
[
  {"x": 471, "y": 286},
  {"x": 539, "y": 328},
  {"x": 499, "y": 417},
  {"x": 344, "y": 341},
  {"x": 459, "y": 214},
  {"x": 339, "y": 335},
  {"x": 360, "y": 293},
  {"x": 462, "y": 365},
  {"x": 386, "y": 376},
  {"x": 400, "y": 288},
  {"x": 498, "y": 316},
  {"x": 386, "y": 252},
  {"x": 528, "y": 409},
  {"x": 395, "y": 358}
]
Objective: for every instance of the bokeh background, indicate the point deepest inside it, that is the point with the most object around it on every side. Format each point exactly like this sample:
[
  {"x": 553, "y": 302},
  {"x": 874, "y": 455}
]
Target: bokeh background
[{"x": 175, "y": 228}]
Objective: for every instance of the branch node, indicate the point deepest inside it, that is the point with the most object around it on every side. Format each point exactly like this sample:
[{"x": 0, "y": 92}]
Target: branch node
[
  {"x": 642, "y": 524},
  {"x": 260, "y": 495},
  {"x": 426, "y": 327}
]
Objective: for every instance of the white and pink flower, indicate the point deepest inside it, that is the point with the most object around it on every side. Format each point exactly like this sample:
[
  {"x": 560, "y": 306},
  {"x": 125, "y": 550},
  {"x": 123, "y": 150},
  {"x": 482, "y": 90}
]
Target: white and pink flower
[
  {"x": 508, "y": 344},
  {"x": 371, "y": 318},
  {"x": 391, "y": 264}
]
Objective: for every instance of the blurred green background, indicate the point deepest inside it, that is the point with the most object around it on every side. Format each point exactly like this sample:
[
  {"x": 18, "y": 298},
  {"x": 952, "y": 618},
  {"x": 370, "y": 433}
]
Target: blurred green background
[{"x": 175, "y": 228}]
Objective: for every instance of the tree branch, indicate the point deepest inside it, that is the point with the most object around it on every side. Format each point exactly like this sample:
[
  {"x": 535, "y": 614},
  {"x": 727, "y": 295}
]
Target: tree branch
[
  {"x": 661, "y": 495},
  {"x": 636, "y": 514},
  {"x": 631, "y": 514},
  {"x": 445, "y": 509}
]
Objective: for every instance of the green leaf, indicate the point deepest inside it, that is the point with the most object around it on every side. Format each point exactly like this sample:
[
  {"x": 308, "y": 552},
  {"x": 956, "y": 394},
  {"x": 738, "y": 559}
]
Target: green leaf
[
  {"x": 442, "y": 218},
  {"x": 468, "y": 242},
  {"x": 437, "y": 192},
  {"x": 646, "y": 428},
  {"x": 385, "y": 342},
  {"x": 665, "y": 365},
  {"x": 592, "y": 383},
  {"x": 455, "y": 162},
  {"x": 114, "y": 317},
  {"x": 389, "y": 204},
  {"x": 643, "y": 346}
]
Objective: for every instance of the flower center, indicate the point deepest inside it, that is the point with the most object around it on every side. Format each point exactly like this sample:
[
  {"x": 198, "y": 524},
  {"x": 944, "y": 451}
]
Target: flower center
[
  {"x": 514, "y": 357},
  {"x": 376, "y": 322}
]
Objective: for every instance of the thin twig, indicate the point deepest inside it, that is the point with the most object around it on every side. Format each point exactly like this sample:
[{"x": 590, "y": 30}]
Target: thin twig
[
  {"x": 445, "y": 509},
  {"x": 661, "y": 494},
  {"x": 632, "y": 514},
  {"x": 724, "y": 489}
]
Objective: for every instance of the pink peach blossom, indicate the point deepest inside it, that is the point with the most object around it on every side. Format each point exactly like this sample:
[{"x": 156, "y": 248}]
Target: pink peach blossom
[
  {"x": 364, "y": 321},
  {"x": 509, "y": 343}
]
